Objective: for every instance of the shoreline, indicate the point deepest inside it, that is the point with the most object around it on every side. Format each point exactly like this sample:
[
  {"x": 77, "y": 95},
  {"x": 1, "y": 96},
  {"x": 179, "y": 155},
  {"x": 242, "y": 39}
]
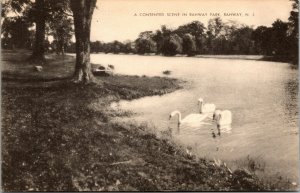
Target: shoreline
[
  {"x": 61, "y": 137},
  {"x": 230, "y": 57}
]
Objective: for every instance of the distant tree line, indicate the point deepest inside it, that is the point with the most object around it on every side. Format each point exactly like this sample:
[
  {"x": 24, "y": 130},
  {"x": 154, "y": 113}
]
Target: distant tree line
[{"x": 219, "y": 37}]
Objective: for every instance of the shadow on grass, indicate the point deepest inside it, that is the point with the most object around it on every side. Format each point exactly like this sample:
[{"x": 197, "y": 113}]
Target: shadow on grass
[{"x": 62, "y": 137}]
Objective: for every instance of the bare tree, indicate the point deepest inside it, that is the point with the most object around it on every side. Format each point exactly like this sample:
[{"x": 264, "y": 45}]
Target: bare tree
[
  {"x": 82, "y": 13},
  {"x": 40, "y": 20}
]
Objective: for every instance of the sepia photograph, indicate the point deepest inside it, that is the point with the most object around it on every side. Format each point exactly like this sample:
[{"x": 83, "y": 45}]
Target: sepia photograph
[{"x": 149, "y": 95}]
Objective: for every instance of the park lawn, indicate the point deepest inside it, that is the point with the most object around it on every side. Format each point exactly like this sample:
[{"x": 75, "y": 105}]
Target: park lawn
[{"x": 62, "y": 136}]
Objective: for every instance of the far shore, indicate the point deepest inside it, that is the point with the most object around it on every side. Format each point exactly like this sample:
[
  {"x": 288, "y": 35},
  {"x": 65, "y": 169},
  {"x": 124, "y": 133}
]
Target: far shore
[{"x": 231, "y": 57}]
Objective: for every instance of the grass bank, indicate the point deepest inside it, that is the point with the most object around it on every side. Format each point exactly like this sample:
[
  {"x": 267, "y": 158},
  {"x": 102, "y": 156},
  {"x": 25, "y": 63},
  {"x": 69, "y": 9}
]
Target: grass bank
[{"x": 60, "y": 136}]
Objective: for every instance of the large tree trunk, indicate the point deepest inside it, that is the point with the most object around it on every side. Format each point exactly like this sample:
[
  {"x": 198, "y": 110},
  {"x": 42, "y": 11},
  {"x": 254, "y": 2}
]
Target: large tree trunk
[
  {"x": 39, "y": 50},
  {"x": 82, "y": 13}
]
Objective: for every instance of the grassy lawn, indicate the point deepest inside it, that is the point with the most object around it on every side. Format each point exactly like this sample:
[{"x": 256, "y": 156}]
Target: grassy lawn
[{"x": 61, "y": 136}]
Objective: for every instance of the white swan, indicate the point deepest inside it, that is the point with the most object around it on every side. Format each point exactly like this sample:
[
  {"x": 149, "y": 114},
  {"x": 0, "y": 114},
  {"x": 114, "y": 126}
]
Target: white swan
[
  {"x": 223, "y": 118},
  {"x": 190, "y": 119},
  {"x": 216, "y": 114},
  {"x": 206, "y": 108}
]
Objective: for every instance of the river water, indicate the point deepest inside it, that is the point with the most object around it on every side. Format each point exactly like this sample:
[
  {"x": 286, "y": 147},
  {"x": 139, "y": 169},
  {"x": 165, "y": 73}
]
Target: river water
[{"x": 262, "y": 96}]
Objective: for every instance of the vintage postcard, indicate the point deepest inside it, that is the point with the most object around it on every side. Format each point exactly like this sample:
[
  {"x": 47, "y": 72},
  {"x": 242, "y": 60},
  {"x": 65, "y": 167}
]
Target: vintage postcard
[{"x": 128, "y": 95}]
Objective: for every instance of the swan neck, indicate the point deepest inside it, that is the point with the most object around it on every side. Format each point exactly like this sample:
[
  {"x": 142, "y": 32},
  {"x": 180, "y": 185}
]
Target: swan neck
[
  {"x": 179, "y": 117},
  {"x": 200, "y": 106}
]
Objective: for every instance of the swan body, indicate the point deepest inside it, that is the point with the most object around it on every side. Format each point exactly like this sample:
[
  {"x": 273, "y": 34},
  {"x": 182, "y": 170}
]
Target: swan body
[
  {"x": 206, "y": 108},
  {"x": 189, "y": 119},
  {"x": 222, "y": 118}
]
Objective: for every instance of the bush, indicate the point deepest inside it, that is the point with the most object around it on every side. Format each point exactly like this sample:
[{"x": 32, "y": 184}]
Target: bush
[
  {"x": 188, "y": 44},
  {"x": 144, "y": 46},
  {"x": 172, "y": 45}
]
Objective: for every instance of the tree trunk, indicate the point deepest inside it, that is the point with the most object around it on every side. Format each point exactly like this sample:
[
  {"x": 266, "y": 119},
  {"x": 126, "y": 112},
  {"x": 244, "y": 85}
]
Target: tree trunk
[
  {"x": 82, "y": 13},
  {"x": 63, "y": 51},
  {"x": 39, "y": 50}
]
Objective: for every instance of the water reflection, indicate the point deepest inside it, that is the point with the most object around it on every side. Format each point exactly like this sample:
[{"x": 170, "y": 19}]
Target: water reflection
[{"x": 262, "y": 97}]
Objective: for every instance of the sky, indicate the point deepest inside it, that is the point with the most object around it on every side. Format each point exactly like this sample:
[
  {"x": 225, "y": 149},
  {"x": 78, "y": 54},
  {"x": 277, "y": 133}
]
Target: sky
[{"x": 124, "y": 19}]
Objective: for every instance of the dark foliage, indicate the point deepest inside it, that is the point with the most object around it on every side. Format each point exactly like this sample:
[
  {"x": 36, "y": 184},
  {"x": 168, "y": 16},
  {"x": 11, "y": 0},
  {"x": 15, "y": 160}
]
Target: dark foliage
[{"x": 279, "y": 42}]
